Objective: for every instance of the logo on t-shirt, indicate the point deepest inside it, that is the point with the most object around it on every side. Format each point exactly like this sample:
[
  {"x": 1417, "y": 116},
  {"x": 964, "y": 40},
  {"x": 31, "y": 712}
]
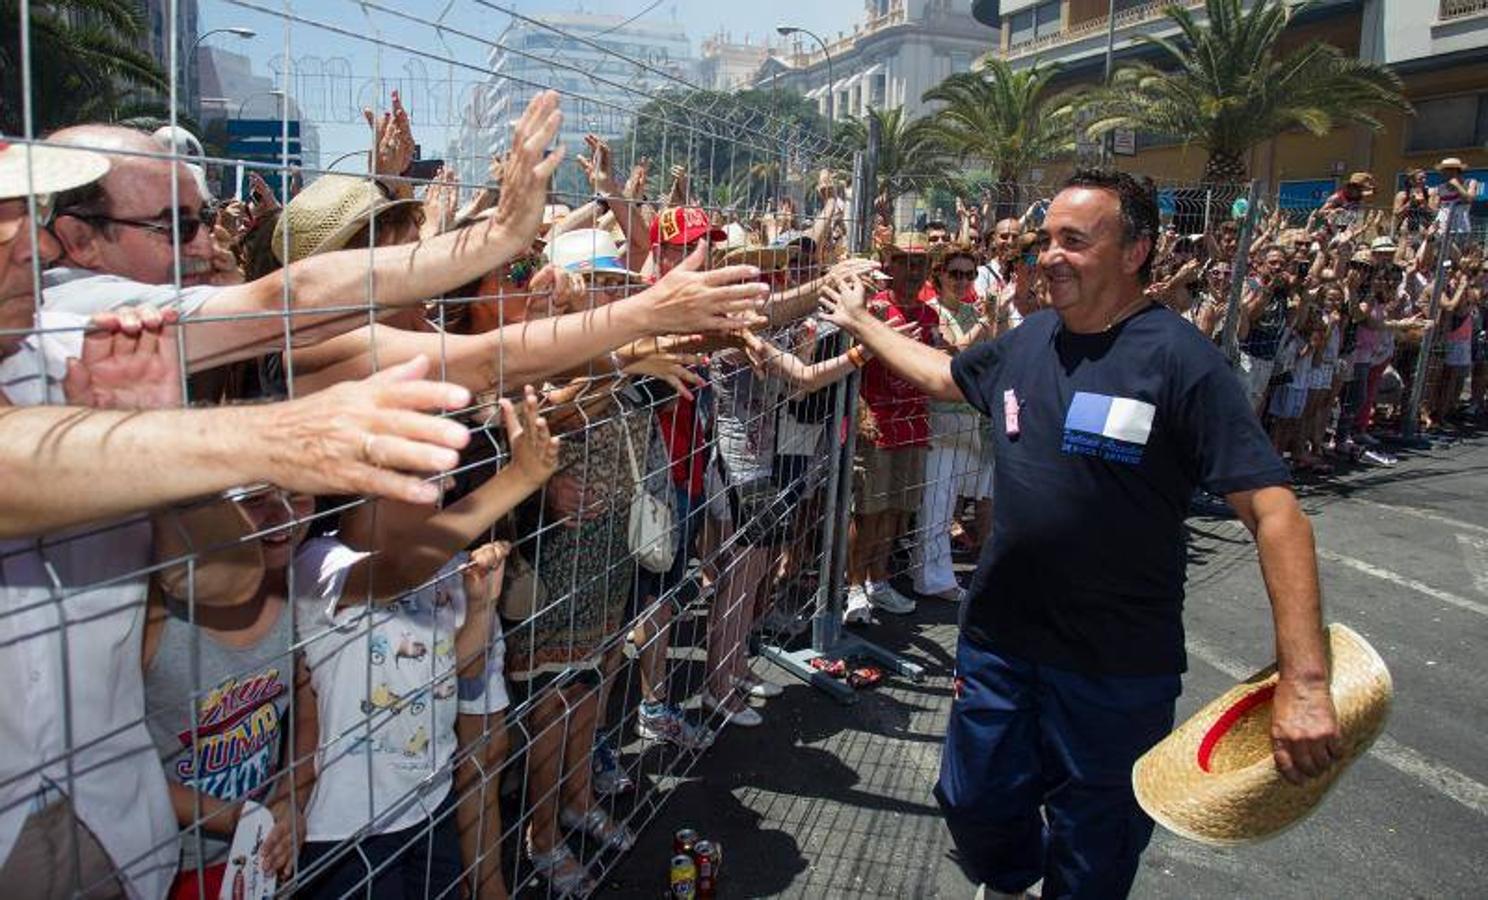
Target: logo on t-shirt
[{"x": 1111, "y": 428}]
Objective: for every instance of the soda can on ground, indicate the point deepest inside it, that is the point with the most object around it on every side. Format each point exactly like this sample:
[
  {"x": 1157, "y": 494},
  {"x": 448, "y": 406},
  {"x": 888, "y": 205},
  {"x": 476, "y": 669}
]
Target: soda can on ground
[
  {"x": 683, "y": 878},
  {"x": 684, "y": 840},
  {"x": 704, "y": 856}
]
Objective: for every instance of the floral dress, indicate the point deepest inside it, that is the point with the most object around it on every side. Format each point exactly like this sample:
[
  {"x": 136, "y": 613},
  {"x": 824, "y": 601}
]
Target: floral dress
[{"x": 587, "y": 572}]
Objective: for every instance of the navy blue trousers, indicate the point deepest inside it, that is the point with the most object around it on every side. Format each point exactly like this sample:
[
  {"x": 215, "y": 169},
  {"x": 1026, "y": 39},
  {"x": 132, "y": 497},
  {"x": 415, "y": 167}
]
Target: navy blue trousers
[{"x": 1035, "y": 775}]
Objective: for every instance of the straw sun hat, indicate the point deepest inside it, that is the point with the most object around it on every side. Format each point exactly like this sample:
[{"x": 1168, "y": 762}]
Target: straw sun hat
[
  {"x": 1213, "y": 779},
  {"x": 325, "y": 215},
  {"x": 737, "y": 249}
]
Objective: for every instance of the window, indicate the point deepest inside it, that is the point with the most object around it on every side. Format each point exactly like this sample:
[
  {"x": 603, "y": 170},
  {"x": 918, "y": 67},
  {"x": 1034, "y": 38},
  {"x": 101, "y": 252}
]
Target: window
[
  {"x": 876, "y": 89},
  {"x": 1449, "y": 122},
  {"x": 1022, "y": 27},
  {"x": 1047, "y": 16},
  {"x": 960, "y": 62}
]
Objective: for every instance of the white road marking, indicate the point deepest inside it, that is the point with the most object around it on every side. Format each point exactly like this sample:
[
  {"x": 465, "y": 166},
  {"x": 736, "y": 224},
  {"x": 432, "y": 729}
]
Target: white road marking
[
  {"x": 1475, "y": 557},
  {"x": 1426, "y": 514},
  {"x": 1442, "y": 779},
  {"x": 1419, "y": 587}
]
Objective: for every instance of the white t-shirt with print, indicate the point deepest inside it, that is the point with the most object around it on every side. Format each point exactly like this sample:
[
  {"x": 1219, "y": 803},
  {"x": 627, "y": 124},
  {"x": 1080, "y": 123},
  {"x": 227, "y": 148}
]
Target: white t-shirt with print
[{"x": 386, "y": 693}]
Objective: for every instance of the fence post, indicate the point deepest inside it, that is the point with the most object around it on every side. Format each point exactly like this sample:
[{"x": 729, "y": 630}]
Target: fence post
[
  {"x": 1240, "y": 267},
  {"x": 1410, "y": 417}
]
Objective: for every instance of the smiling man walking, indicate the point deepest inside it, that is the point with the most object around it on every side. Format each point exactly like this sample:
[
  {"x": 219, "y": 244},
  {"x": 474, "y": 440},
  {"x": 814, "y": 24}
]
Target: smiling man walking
[{"x": 1107, "y": 411}]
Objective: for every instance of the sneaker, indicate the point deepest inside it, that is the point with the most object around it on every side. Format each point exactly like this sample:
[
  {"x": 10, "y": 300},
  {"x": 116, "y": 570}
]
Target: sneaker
[
  {"x": 745, "y": 718},
  {"x": 858, "y": 607},
  {"x": 1378, "y": 458},
  {"x": 751, "y": 686},
  {"x": 664, "y": 722},
  {"x": 891, "y": 601},
  {"x": 950, "y": 595},
  {"x": 608, "y": 777},
  {"x": 1365, "y": 439}
]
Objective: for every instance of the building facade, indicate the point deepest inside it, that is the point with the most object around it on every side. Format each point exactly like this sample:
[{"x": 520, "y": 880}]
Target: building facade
[
  {"x": 725, "y": 65},
  {"x": 1438, "y": 47},
  {"x": 605, "y": 67},
  {"x": 900, "y": 50}
]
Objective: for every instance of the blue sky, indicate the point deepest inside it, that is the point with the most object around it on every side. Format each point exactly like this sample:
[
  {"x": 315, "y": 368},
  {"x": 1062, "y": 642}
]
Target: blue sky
[{"x": 398, "y": 41}]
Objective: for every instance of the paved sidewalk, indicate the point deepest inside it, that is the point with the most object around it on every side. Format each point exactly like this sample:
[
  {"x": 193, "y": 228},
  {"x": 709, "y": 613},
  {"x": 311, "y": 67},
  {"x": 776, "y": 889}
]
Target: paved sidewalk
[{"x": 833, "y": 801}]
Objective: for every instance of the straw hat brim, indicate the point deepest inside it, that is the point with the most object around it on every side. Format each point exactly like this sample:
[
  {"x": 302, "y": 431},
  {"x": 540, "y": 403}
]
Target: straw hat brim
[
  {"x": 48, "y": 169},
  {"x": 1213, "y": 779}
]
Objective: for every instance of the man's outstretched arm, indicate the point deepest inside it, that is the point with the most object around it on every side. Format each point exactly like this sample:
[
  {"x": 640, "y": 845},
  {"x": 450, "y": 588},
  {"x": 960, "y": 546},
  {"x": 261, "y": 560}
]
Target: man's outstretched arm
[{"x": 845, "y": 305}]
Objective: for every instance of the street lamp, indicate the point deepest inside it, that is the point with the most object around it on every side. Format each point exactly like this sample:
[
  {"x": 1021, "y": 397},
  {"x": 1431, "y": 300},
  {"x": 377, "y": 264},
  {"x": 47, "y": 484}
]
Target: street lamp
[
  {"x": 274, "y": 93},
  {"x": 238, "y": 30},
  {"x": 787, "y": 31}
]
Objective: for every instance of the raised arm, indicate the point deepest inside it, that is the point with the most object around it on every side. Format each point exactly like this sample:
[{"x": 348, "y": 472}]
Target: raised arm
[
  {"x": 846, "y": 306},
  {"x": 327, "y": 294}
]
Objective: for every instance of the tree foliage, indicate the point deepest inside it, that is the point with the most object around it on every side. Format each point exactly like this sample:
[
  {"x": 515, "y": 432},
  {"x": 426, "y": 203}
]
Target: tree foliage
[
  {"x": 85, "y": 63},
  {"x": 1225, "y": 85}
]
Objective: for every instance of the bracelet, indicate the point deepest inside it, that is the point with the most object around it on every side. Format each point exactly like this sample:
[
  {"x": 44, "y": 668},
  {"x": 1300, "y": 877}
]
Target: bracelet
[
  {"x": 856, "y": 357},
  {"x": 601, "y": 201}
]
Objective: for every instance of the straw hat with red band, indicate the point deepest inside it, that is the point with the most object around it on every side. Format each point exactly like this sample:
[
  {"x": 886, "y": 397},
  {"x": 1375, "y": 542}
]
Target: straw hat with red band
[
  {"x": 683, "y": 225},
  {"x": 1213, "y": 780}
]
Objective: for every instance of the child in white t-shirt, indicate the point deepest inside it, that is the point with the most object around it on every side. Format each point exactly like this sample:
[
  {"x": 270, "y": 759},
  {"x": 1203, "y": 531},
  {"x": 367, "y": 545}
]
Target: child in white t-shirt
[{"x": 400, "y": 640}]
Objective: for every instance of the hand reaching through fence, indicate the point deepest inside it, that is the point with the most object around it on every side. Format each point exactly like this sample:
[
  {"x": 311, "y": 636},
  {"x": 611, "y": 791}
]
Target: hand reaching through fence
[{"x": 129, "y": 361}]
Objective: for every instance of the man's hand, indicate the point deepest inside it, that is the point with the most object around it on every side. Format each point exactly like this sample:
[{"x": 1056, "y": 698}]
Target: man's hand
[
  {"x": 534, "y": 449},
  {"x": 527, "y": 168},
  {"x": 689, "y": 300},
  {"x": 1305, "y": 740},
  {"x": 393, "y": 136},
  {"x": 852, "y": 267},
  {"x": 561, "y": 290},
  {"x": 129, "y": 361},
  {"x": 361, "y": 437},
  {"x": 844, "y": 303}
]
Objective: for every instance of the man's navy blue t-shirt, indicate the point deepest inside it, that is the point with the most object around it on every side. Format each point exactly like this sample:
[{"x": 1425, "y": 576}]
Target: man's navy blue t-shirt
[{"x": 1085, "y": 567}]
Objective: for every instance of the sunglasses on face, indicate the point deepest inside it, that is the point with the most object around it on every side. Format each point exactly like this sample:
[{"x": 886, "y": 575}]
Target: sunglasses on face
[
  {"x": 960, "y": 274},
  {"x": 521, "y": 271},
  {"x": 190, "y": 226}
]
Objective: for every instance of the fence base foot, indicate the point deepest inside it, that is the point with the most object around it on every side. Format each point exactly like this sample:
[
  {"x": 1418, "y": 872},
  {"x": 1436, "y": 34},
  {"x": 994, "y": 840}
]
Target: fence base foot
[
  {"x": 798, "y": 663},
  {"x": 851, "y": 645}
]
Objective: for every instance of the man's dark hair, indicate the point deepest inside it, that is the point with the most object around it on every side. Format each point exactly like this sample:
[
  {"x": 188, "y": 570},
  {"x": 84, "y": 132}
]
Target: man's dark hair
[
  {"x": 1139, "y": 215},
  {"x": 936, "y": 225}
]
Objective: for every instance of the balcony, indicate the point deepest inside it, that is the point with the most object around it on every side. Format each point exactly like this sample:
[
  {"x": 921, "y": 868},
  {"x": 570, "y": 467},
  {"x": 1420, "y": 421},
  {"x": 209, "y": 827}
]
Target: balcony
[
  {"x": 807, "y": 53},
  {"x": 1457, "y": 9},
  {"x": 1126, "y": 18}
]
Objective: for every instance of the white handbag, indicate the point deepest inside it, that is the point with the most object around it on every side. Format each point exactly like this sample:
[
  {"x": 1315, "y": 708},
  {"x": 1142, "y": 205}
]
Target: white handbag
[{"x": 651, "y": 533}]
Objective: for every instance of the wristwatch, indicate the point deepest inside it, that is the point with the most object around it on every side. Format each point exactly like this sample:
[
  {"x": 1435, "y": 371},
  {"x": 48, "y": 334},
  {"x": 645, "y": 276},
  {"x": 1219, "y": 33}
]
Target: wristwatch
[{"x": 601, "y": 201}]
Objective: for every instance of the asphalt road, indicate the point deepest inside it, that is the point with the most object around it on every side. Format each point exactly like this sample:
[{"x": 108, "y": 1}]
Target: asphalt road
[{"x": 834, "y": 801}]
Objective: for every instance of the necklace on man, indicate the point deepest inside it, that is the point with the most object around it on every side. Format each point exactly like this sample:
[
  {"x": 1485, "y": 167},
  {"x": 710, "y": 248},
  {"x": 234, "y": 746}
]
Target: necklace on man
[{"x": 1127, "y": 312}]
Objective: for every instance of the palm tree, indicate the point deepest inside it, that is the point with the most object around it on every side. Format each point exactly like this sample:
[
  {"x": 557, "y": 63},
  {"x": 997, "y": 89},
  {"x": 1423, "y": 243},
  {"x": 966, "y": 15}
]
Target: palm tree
[
  {"x": 1004, "y": 119},
  {"x": 911, "y": 158},
  {"x": 1226, "y": 87},
  {"x": 85, "y": 62}
]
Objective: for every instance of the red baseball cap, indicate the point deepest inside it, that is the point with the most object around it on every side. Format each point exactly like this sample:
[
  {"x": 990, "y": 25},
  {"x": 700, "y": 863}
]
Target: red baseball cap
[{"x": 683, "y": 225}]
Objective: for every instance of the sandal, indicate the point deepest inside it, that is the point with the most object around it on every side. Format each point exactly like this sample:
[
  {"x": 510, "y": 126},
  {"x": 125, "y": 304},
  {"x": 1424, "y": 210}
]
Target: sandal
[
  {"x": 597, "y": 824},
  {"x": 564, "y": 879},
  {"x": 864, "y": 676},
  {"x": 833, "y": 667}
]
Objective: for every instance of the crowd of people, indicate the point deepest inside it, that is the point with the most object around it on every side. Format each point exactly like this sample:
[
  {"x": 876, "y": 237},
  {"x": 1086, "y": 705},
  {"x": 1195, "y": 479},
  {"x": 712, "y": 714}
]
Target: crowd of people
[{"x": 444, "y": 470}]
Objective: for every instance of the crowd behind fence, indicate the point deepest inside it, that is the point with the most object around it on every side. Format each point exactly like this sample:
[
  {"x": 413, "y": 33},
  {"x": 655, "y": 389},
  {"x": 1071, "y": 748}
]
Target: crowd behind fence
[{"x": 667, "y": 464}]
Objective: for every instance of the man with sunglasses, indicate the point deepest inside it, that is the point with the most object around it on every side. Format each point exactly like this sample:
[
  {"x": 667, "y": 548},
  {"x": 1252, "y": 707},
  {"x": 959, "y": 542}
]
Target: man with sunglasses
[{"x": 83, "y": 801}]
